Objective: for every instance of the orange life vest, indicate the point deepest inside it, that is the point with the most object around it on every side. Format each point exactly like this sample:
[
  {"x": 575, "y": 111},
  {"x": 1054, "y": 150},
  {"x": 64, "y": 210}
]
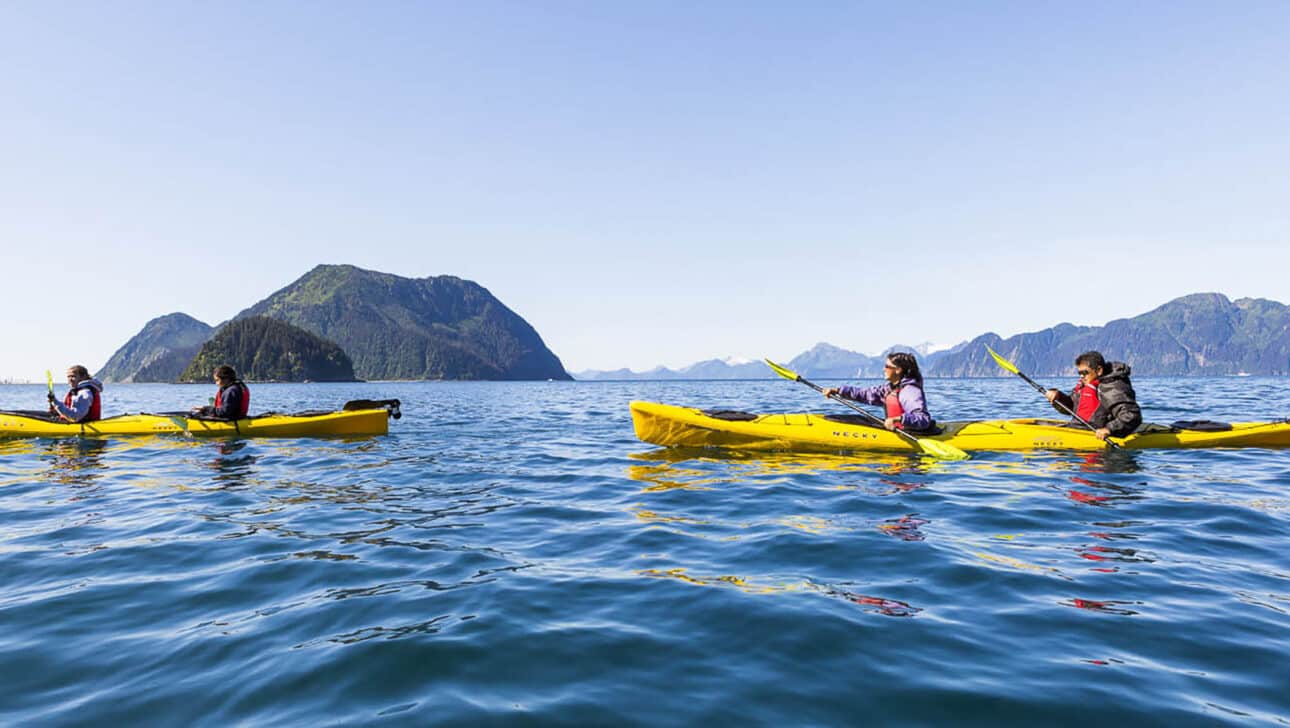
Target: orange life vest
[{"x": 892, "y": 403}]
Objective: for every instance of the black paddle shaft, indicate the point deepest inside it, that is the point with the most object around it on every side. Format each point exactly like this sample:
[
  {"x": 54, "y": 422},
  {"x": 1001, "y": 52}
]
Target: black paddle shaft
[{"x": 863, "y": 412}]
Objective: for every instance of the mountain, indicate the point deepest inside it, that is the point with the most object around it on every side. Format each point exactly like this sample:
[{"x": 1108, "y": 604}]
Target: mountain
[
  {"x": 822, "y": 361},
  {"x": 723, "y": 369},
  {"x": 264, "y": 349},
  {"x": 159, "y": 352},
  {"x": 729, "y": 368},
  {"x": 1201, "y": 334},
  {"x": 609, "y": 375},
  {"x": 826, "y": 361},
  {"x": 441, "y": 327}
]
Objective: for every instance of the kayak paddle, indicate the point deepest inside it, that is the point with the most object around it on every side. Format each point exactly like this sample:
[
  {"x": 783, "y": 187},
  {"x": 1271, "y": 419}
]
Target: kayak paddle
[
  {"x": 935, "y": 448},
  {"x": 1040, "y": 388},
  {"x": 49, "y": 379}
]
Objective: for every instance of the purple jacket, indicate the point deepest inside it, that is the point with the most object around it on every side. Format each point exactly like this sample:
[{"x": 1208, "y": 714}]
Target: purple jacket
[{"x": 911, "y": 398}]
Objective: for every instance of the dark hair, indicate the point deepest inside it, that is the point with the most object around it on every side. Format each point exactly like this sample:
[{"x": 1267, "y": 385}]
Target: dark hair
[
  {"x": 1093, "y": 359},
  {"x": 225, "y": 371},
  {"x": 80, "y": 371},
  {"x": 907, "y": 363}
]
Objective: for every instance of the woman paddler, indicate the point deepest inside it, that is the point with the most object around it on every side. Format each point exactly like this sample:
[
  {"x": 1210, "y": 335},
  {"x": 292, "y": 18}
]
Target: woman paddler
[{"x": 901, "y": 395}]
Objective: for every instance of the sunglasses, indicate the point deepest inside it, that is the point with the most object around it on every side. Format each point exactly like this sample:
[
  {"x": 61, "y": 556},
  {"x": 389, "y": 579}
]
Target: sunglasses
[{"x": 1084, "y": 372}]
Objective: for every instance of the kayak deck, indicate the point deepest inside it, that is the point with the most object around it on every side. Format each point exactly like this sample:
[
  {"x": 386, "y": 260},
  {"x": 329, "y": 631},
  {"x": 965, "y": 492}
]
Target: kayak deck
[{"x": 670, "y": 425}]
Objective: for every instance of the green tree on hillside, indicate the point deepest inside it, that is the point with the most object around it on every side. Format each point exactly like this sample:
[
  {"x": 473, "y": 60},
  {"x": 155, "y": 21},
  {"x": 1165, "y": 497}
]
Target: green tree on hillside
[{"x": 265, "y": 349}]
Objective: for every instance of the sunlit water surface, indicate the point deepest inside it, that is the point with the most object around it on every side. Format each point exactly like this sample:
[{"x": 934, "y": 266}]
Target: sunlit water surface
[{"x": 512, "y": 553}]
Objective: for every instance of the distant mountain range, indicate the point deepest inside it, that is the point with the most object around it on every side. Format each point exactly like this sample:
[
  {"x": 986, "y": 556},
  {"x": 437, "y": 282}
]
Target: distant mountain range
[
  {"x": 1203, "y": 334},
  {"x": 390, "y": 327}
]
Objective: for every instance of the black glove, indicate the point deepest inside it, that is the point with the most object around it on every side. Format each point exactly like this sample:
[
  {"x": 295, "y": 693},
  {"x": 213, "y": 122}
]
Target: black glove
[{"x": 50, "y": 397}]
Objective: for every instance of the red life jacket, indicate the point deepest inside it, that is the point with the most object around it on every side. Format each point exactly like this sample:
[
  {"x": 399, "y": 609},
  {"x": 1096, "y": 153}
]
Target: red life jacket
[
  {"x": 1086, "y": 399},
  {"x": 892, "y": 403},
  {"x": 96, "y": 406},
  {"x": 244, "y": 406}
]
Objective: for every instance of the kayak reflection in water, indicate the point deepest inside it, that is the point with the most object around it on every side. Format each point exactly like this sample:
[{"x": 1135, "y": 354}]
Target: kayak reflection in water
[
  {"x": 76, "y": 461},
  {"x": 901, "y": 395},
  {"x": 232, "y": 401}
]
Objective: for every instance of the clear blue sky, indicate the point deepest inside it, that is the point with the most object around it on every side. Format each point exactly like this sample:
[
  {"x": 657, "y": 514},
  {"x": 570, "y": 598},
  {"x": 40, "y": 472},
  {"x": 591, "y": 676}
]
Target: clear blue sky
[{"x": 647, "y": 183}]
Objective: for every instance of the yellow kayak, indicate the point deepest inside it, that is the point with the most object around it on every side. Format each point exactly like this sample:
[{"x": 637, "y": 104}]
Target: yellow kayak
[
  {"x": 354, "y": 422},
  {"x": 369, "y": 418},
  {"x": 669, "y": 425},
  {"x": 35, "y": 424}
]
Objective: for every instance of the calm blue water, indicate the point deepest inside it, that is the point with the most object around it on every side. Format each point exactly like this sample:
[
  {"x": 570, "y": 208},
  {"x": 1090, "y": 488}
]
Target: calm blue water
[{"x": 511, "y": 553}]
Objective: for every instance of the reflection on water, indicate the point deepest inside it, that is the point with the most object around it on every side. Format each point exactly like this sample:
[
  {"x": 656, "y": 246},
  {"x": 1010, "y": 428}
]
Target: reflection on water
[
  {"x": 1111, "y": 535},
  {"x": 1099, "y": 552},
  {"x": 904, "y": 528},
  {"x": 1015, "y": 563},
  {"x": 1099, "y": 483},
  {"x": 869, "y": 602},
  {"x": 1105, "y": 461},
  {"x": 416, "y": 629},
  {"x": 1105, "y": 606},
  {"x": 75, "y": 460},
  {"x": 796, "y": 462},
  {"x": 1087, "y": 479},
  {"x": 902, "y": 471},
  {"x": 17, "y": 446},
  {"x": 1101, "y": 492},
  {"x": 232, "y": 463},
  {"x": 726, "y": 580},
  {"x": 696, "y": 468}
]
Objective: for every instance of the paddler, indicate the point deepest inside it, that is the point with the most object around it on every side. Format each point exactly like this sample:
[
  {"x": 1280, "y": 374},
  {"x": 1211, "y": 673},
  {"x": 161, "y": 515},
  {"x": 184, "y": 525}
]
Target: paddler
[
  {"x": 901, "y": 395},
  {"x": 1103, "y": 396},
  {"x": 232, "y": 399},
  {"x": 84, "y": 399}
]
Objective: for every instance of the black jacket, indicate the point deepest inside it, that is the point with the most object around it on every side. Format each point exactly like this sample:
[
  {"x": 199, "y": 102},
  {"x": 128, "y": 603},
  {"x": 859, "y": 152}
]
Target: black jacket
[
  {"x": 230, "y": 402},
  {"x": 1117, "y": 408}
]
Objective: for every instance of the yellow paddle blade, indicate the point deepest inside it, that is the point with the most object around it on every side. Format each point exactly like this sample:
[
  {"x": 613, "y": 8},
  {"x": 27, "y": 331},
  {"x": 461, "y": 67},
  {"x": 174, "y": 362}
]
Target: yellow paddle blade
[
  {"x": 49, "y": 379},
  {"x": 784, "y": 372},
  {"x": 1003, "y": 362},
  {"x": 942, "y": 450}
]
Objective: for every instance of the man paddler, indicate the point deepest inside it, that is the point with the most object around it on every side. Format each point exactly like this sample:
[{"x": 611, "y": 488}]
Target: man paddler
[{"x": 1103, "y": 396}]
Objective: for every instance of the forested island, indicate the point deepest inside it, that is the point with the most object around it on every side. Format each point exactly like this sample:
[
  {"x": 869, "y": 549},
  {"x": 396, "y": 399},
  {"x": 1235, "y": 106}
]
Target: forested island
[{"x": 267, "y": 350}]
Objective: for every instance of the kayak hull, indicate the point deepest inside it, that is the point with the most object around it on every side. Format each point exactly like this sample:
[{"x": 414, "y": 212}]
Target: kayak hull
[
  {"x": 356, "y": 422},
  {"x": 673, "y": 426},
  {"x": 352, "y": 423},
  {"x": 13, "y": 424}
]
